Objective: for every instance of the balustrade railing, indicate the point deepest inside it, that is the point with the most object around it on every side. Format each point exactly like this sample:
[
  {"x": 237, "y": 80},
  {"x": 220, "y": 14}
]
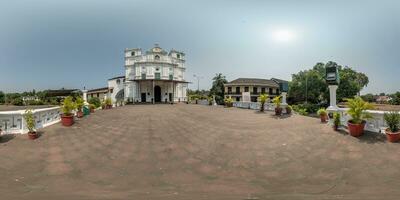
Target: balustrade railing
[
  {"x": 375, "y": 124},
  {"x": 12, "y": 122}
]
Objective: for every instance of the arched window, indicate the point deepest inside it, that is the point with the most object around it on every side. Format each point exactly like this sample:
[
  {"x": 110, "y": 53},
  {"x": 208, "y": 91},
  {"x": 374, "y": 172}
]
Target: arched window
[
  {"x": 178, "y": 56},
  {"x": 118, "y": 81},
  {"x": 157, "y": 57},
  {"x": 132, "y": 53}
]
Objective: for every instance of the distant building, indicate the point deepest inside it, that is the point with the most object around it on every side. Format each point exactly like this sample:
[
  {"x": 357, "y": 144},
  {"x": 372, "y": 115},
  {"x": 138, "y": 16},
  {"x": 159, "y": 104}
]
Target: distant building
[
  {"x": 255, "y": 86},
  {"x": 100, "y": 93},
  {"x": 151, "y": 76},
  {"x": 383, "y": 99},
  {"x": 63, "y": 93}
]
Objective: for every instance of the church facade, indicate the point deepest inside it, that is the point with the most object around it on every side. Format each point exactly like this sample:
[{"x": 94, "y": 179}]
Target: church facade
[{"x": 152, "y": 76}]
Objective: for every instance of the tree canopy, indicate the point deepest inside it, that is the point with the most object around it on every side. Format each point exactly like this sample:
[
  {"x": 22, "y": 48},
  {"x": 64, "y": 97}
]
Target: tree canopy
[
  {"x": 310, "y": 86},
  {"x": 217, "y": 88}
]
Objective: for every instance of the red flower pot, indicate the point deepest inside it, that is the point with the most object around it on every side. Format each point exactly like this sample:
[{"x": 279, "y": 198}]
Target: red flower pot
[
  {"x": 278, "y": 111},
  {"x": 32, "y": 135},
  {"x": 79, "y": 114},
  {"x": 356, "y": 130},
  {"x": 67, "y": 120},
  {"x": 392, "y": 137},
  {"x": 324, "y": 118}
]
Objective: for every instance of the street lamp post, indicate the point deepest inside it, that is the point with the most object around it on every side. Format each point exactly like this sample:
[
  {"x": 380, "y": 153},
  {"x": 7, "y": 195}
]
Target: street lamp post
[{"x": 198, "y": 81}]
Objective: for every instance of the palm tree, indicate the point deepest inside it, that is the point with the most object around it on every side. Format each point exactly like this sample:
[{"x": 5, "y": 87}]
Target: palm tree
[{"x": 263, "y": 99}]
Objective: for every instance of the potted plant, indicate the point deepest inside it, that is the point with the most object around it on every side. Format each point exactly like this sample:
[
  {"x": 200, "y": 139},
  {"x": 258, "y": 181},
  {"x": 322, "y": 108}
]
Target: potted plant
[
  {"x": 263, "y": 99},
  {"x": 67, "y": 118},
  {"x": 79, "y": 105},
  {"x": 92, "y": 108},
  {"x": 357, "y": 111},
  {"x": 229, "y": 102},
  {"x": 392, "y": 119},
  {"x": 336, "y": 121},
  {"x": 210, "y": 101},
  {"x": 289, "y": 109},
  {"x": 277, "y": 102},
  {"x": 108, "y": 102},
  {"x": 323, "y": 115},
  {"x": 103, "y": 105},
  {"x": 30, "y": 124}
]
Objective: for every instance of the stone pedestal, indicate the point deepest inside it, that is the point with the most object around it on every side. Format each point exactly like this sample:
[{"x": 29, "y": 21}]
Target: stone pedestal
[{"x": 332, "y": 94}]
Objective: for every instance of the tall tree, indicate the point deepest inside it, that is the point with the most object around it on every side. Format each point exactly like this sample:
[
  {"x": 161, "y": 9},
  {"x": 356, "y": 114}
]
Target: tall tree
[
  {"x": 217, "y": 88},
  {"x": 310, "y": 85}
]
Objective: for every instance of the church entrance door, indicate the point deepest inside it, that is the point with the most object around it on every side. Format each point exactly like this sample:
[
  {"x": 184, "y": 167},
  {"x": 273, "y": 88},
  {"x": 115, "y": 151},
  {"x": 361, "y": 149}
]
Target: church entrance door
[{"x": 157, "y": 93}]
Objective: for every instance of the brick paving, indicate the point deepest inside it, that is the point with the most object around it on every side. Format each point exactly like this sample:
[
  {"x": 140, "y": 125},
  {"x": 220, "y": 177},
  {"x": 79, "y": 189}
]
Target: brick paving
[{"x": 197, "y": 152}]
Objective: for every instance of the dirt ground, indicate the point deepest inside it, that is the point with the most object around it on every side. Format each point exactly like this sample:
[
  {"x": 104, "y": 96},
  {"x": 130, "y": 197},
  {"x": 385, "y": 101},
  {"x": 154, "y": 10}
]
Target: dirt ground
[{"x": 197, "y": 152}]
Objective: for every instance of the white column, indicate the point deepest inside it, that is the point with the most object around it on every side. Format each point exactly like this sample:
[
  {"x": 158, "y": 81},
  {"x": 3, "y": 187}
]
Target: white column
[
  {"x": 214, "y": 102},
  {"x": 332, "y": 95},
  {"x": 85, "y": 97},
  {"x": 283, "y": 94}
]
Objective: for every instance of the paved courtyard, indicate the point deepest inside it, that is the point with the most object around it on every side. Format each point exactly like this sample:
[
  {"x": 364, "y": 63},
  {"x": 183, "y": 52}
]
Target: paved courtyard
[{"x": 197, "y": 152}]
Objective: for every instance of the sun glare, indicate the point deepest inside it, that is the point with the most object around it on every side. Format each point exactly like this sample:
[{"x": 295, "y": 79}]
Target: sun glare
[{"x": 283, "y": 35}]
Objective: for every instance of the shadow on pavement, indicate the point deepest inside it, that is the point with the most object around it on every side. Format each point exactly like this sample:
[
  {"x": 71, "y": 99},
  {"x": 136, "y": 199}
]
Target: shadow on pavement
[{"x": 6, "y": 138}]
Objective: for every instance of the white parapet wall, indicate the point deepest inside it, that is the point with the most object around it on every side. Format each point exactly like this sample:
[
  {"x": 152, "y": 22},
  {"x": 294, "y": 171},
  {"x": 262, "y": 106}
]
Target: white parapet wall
[
  {"x": 13, "y": 122},
  {"x": 375, "y": 124},
  {"x": 257, "y": 105}
]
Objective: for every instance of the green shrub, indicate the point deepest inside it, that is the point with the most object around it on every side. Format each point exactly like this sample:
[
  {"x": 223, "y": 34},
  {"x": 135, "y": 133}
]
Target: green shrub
[
  {"x": 92, "y": 106},
  {"x": 277, "y": 101},
  {"x": 357, "y": 110},
  {"x": 336, "y": 119},
  {"x": 263, "y": 99},
  {"x": 79, "y": 103},
  {"x": 17, "y": 101},
  {"x": 108, "y": 101},
  {"x": 322, "y": 111},
  {"x": 392, "y": 119},
  {"x": 68, "y": 106},
  {"x": 95, "y": 101},
  {"x": 300, "y": 110},
  {"x": 30, "y": 120}
]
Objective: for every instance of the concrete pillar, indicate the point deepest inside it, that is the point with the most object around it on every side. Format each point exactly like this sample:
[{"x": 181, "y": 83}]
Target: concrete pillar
[
  {"x": 153, "y": 91},
  {"x": 283, "y": 94},
  {"x": 85, "y": 97},
  {"x": 332, "y": 95}
]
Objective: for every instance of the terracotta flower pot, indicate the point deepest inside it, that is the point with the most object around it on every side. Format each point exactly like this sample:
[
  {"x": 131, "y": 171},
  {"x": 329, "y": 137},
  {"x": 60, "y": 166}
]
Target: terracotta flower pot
[
  {"x": 288, "y": 111},
  {"x": 324, "y": 118},
  {"x": 278, "y": 111},
  {"x": 108, "y": 106},
  {"x": 356, "y": 130},
  {"x": 32, "y": 135},
  {"x": 92, "y": 110},
  {"x": 79, "y": 114},
  {"x": 67, "y": 120},
  {"x": 392, "y": 137}
]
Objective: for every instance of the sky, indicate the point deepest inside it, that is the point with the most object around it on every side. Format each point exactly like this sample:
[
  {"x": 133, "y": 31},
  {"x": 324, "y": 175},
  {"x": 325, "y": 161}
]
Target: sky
[{"x": 51, "y": 44}]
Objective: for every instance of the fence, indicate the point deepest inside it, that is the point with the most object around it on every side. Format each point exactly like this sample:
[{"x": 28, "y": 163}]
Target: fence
[{"x": 12, "y": 122}]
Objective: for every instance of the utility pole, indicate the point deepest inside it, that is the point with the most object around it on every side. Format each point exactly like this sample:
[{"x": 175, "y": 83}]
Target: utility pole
[{"x": 306, "y": 89}]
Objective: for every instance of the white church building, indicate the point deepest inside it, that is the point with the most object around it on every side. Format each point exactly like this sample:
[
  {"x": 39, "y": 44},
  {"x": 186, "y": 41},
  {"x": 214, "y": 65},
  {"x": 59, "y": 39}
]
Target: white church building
[{"x": 152, "y": 76}]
